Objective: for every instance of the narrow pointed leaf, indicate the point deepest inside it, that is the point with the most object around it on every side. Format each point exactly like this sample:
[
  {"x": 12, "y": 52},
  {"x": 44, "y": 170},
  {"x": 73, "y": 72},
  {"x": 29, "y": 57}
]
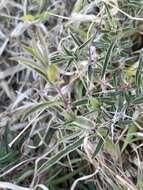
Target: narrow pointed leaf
[
  {"x": 107, "y": 59},
  {"x": 60, "y": 155}
]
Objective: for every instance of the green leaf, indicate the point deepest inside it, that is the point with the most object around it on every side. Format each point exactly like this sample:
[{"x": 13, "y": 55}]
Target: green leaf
[
  {"x": 94, "y": 103},
  {"x": 30, "y": 64},
  {"x": 130, "y": 136},
  {"x": 28, "y": 18},
  {"x": 107, "y": 59},
  {"x": 85, "y": 43},
  {"x": 44, "y": 45},
  {"x": 138, "y": 100},
  {"x": 40, "y": 106},
  {"x": 68, "y": 52},
  {"x": 52, "y": 73},
  {"x": 139, "y": 73},
  {"x": 81, "y": 102},
  {"x": 54, "y": 159},
  {"x": 98, "y": 148},
  {"x": 76, "y": 39},
  {"x": 79, "y": 88},
  {"x": 111, "y": 19},
  {"x": 78, "y": 6},
  {"x": 100, "y": 145},
  {"x": 112, "y": 149},
  {"x": 83, "y": 122},
  {"x": 67, "y": 176},
  {"x": 34, "y": 51}
]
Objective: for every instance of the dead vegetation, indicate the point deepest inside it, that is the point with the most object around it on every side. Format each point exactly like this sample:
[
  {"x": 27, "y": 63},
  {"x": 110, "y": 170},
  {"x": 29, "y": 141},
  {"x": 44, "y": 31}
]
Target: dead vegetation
[{"x": 71, "y": 94}]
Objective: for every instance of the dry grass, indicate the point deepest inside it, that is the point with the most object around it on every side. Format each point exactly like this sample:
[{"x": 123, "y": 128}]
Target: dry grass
[{"x": 71, "y": 94}]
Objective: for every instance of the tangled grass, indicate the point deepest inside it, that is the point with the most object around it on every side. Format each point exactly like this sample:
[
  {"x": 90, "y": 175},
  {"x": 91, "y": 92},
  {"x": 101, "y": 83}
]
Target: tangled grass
[{"x": 71, "y": 94}]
